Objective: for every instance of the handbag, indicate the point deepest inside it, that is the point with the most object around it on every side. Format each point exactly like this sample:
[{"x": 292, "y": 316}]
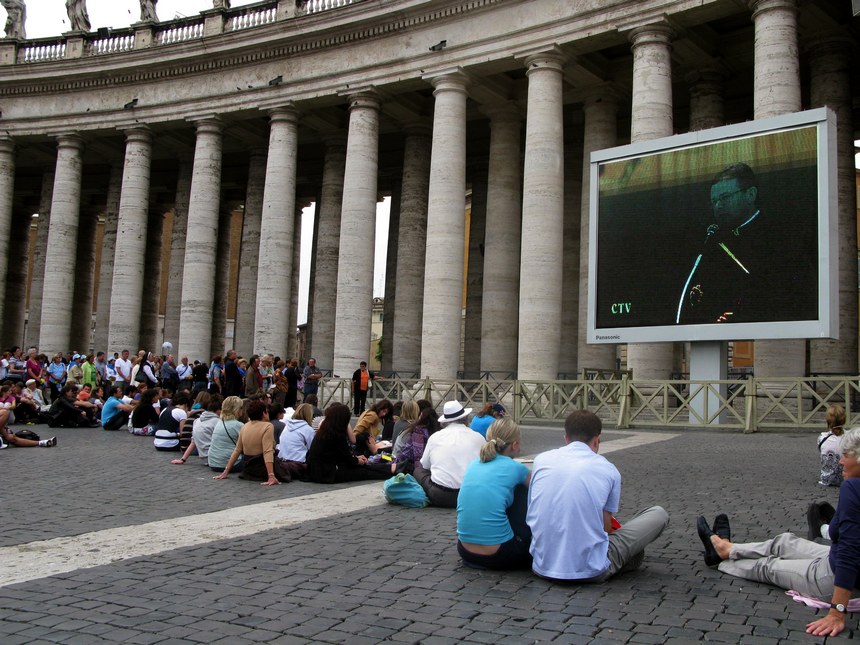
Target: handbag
[
  {"x": 27, "y": 434},
  {"x": 404, "y": 490}
]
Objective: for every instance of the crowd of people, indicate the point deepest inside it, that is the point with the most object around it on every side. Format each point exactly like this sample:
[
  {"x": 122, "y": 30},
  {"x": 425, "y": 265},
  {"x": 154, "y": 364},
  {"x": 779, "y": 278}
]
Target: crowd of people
[{"x": 557, "y": 518}]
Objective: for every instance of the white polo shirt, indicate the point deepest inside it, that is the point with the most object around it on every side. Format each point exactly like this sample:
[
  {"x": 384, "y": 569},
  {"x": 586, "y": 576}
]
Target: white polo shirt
[
  {"x": 125, "y": 366},
  {"x": 449, "y": 451}
]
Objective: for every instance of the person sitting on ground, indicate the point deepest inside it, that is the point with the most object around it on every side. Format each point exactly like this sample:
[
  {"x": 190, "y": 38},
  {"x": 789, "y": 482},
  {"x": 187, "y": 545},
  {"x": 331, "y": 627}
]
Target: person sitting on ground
[
  {"x": 828, "y": 446},
  {"x": 573, "y": 495},
  {"x": 66, "y": 411},
  {"x": 8, "y": 438},
  {"x": 409, "y": 412},
  {"x": 296, "y": 440},
  {"x": 29, "y": 406},
  {"x": 98, "y": 398},
  {"x": 115, "y": 411},
  {"x": 411, "y": 442},
  {"x": 369, "y": 425},
  {"x": 256, "y": 447},
  {"x": 489, "y": 413},
  {"x": 311, "y": 399},
  {"x": 170, "y": 421},
  {"x": 144, "y": 417},
  {"x": 330, "y": 460},
  {"x": 201, "y": 400},
  {"x": 830, "y": 573},
  {"x": 201, "y": 432},
  {"x": 35, "y": 393},
  {"x": 276, "y": 418},
  {"x": 443, "y": 464},
  {"x": 8, "y": 401},
  {"x": 491, "y": 508},
  {"x": 84, "y": 402},
  {"x": 226, "y": 434}
]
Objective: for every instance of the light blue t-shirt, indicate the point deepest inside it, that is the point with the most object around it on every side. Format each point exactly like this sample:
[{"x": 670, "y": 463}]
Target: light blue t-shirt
[
  {"x": 109, "y": 409},
  {"x": 486, "y": 493},
  {"x": 480, "y": 425},
  {"x": 569, "y": 490}
]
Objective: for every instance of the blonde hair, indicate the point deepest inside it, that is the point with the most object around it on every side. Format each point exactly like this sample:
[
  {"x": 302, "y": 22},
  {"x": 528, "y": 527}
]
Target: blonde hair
[
  {"x": 409, "y": 411},
  {"x": 835, "y": 419},
  {"x": 501, "y": 434},
  {"x": 232, "y": 408},
  {"x": 305, "y": 411}
]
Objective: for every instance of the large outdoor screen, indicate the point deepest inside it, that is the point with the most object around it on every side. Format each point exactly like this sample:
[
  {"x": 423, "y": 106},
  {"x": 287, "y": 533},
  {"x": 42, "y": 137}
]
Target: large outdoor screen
[{"x": 723, "y": 234}]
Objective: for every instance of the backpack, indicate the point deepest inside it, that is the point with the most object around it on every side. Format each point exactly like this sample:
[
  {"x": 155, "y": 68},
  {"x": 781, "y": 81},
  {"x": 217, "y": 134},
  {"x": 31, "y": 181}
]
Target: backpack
[{"x": 404, "y": 490}]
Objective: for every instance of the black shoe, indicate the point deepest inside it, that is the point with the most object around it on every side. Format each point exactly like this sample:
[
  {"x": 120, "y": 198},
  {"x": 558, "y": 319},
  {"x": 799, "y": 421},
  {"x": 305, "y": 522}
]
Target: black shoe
[
  {"x": 722, "y": 527},
  {"x": 817, "y": 515},
  {"x": 712, "y": 558}
]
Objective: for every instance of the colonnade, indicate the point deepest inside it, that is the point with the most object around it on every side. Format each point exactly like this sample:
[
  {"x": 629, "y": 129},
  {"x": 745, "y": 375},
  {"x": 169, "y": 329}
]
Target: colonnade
[{"x": 528, "y": 259}]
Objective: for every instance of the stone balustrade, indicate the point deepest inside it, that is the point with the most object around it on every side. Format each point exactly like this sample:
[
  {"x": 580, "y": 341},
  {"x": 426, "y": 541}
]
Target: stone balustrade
[{"x": 113, "y": 41}]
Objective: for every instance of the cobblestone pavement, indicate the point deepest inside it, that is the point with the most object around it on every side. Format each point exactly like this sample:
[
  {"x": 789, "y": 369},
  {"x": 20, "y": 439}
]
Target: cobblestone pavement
[{"x": 386, "y": 573}]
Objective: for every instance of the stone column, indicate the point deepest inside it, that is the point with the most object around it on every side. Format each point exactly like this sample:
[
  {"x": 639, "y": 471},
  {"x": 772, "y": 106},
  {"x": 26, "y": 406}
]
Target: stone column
[
  {"x": 777, "y": 91},
  {"x": 82, "y": 305},
  {"x": 198, "y": 274},
  {"x": 59, "y": 285},
  {"x": 830, "y": 71},
  {"x": 272, "y": 311},
  {"x": 327, "y": 243},
  {"x": 543, "y": 221},
  {"x": 567, "y": 358},
  {"x": 37, "y": 280},
  {"x": 406, "y": 340},
  {"x": 127, "y": 285},
  {"x": 16, "y": 278},
  {"x": 150, "y": 338},
  {"x": 222, "y": 279},
  {"x": 249, "y": 256},
  {"x": 446, "y": 231},
  {"x": 499, "y": 320},
  {"x": 178, "y": 234},
  {"x": 292, "y": 318},
  {"x": 389, "y": 307},
  {"x": 7, "y": 191},
  {"x": 111, "y": 220},
  {"x": 707, "y": 105},
  {"x": 651, "y": 119},
  {"x": 600, "y": 131},
  {"x": 357, "y": 233},
  {"x": 475, "y": 273}
]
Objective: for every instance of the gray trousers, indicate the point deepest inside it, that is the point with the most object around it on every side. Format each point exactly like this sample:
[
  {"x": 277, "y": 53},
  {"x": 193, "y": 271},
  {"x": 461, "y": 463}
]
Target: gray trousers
[
  {"x": 786, "y": 561},
  {"x": 627, "y": 544}
]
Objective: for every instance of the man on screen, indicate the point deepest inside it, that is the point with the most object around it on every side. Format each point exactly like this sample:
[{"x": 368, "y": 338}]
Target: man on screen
[{"x": 752, "y": 266}]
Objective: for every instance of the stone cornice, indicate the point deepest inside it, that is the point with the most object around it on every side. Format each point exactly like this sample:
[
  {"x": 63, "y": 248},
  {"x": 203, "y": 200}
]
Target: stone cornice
[{"x": 113, "y": 69}]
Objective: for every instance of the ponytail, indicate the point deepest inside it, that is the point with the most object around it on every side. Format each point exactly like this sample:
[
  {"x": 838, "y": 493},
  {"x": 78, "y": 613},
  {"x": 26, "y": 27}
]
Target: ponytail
[{"x": 501, "y": 434}]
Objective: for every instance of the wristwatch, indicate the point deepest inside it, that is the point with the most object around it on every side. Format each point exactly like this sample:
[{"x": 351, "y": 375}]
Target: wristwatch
[{"x": 842, "y": 609}]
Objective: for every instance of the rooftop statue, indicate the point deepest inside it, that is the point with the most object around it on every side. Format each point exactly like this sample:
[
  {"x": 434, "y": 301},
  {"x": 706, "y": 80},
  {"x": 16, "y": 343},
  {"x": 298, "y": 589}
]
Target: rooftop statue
[
  {"x": 78, "y": 18},
  {"x": 16, "y": 16},
  {"x": 220, "y": 4},
  {"x": 147, "y": 11}
]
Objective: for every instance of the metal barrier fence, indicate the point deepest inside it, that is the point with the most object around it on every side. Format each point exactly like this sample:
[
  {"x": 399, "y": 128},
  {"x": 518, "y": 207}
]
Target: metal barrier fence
[{"x": 748, "y": 405}]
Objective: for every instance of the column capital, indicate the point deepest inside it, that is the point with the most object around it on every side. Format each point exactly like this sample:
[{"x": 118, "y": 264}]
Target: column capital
[
  {"x": 285, "y": 113},
  {"x": 760, "y": 6},
  {"x": 655, "y": 33},
  {"x": 606, "y": 94},
  {"x": 507, "y": 112},
  {"x": 547, "y": 58},
  {"x": 208, "y": 124},
  {"x": 418, "y": 129},
  {"x": 364, "y": 98},
  {"x": 7, "y": 144},
  {"x": 137, "y": 134},
  {"x": 706, "y": 76},
  {"x": 839, "y": 46},
  {"x": 455, "y": 80},
  {"x": 334, "y": 139},
  {"x": 70, "y": 140}
]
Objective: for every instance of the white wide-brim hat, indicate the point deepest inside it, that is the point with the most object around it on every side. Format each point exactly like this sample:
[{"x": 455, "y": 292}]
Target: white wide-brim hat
[{"x": 452, "y": 411}]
